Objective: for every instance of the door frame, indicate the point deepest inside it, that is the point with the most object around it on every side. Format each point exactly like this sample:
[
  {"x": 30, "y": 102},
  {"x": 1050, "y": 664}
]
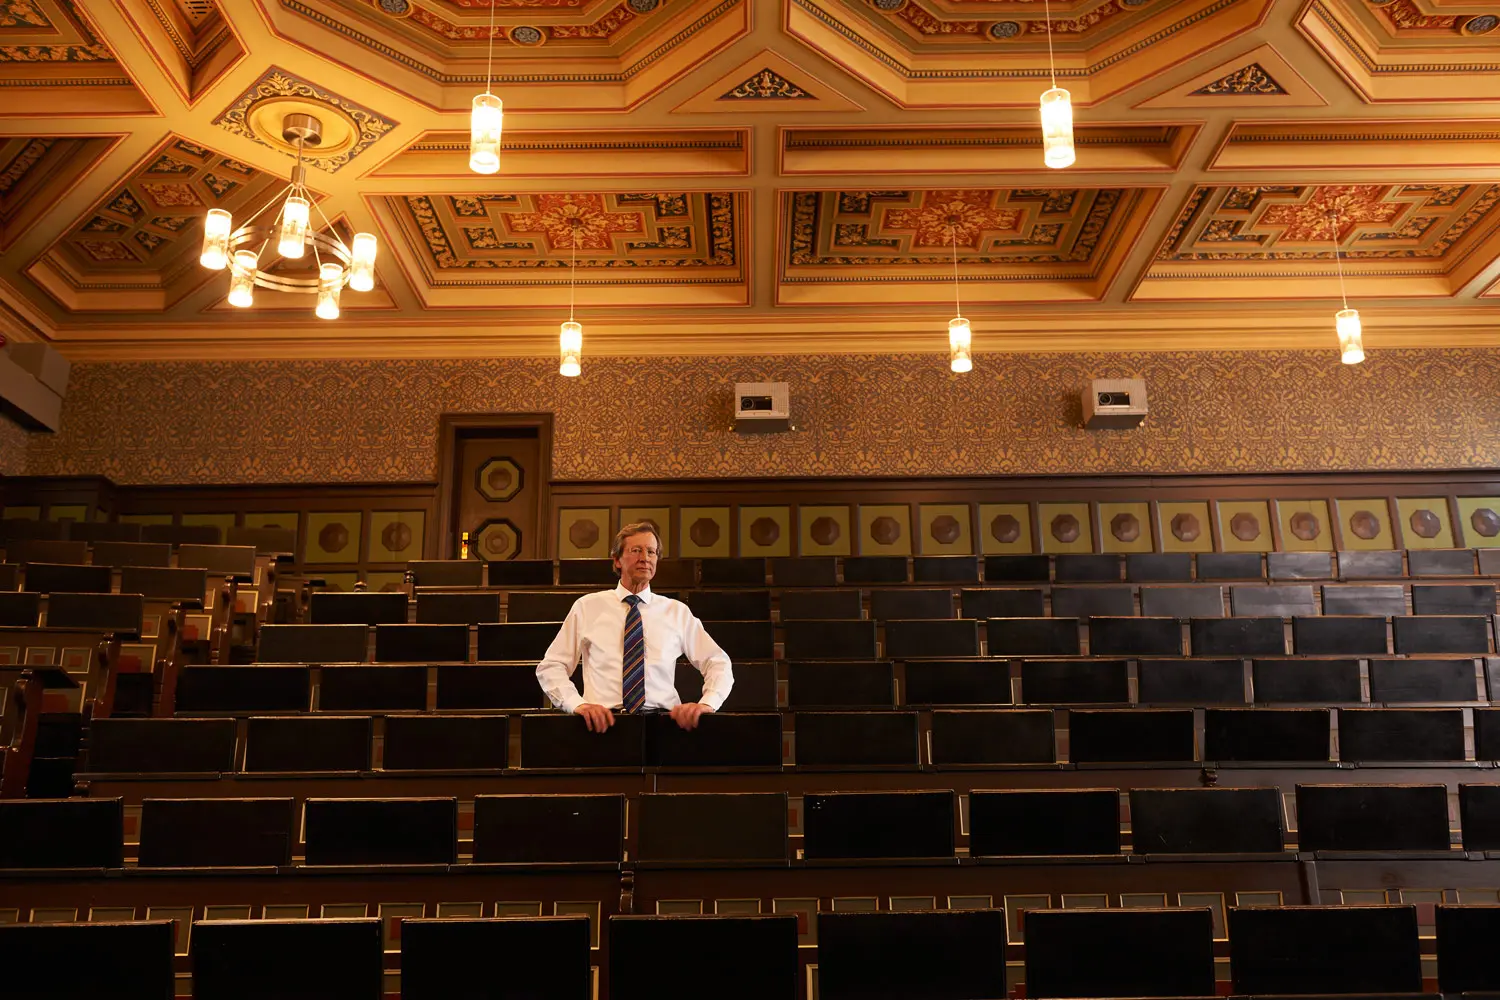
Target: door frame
[{"x": 454, "y": 427}]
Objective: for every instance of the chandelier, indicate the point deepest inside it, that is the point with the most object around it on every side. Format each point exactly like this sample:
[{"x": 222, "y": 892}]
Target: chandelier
[
  {"x": 286, "y": 236},
  {"x": 1346, "y": 322},
  {"x": 1057, "y": 112},
  {"x": 486, "y": 117},
  {"x": 960, "y": 337},
  {"x": 570, "y": 336}
]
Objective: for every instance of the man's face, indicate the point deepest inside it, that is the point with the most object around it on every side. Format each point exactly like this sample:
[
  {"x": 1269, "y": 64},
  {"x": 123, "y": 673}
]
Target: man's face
[{"x": 637, "y": 563}]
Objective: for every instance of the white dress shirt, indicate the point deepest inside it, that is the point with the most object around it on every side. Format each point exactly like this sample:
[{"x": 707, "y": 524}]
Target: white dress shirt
[{"x": 594, "y": 632}]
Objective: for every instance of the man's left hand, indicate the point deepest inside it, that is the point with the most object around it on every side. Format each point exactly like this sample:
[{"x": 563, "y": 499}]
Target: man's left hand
[{"x": 686, "y": 716}]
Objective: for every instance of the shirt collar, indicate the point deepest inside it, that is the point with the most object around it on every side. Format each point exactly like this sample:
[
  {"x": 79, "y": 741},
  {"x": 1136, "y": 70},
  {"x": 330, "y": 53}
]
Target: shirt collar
[{"x": 645, "y": 595}]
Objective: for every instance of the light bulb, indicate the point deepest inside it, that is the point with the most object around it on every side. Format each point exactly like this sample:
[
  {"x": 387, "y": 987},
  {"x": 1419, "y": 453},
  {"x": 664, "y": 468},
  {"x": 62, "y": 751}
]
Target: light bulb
[
  {"x": 216, "y": 228},
  {"x": 293, "y": 226},
  {"x": 570, "y": 341},
  {"x": 330, "y": 283},
  {"x": 242, "y": 278},
  {"x": 362, "y": 262},
  {"x": 1351, "y": 336},
  {"x": 960, "y": 359},
  {"x": 486, "y": 119},
  {"x": 1057, "y": 128}
]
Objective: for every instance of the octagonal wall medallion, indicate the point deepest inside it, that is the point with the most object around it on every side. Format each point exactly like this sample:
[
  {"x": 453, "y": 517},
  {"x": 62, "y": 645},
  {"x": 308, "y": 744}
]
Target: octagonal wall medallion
[
  {"x": 1005, "y": 529},
  {"x": 1066, "y": 527},
  {"x": 582, "y": 533},
  {"x": 823, "y": 530},
  {"x": 499, "y": 479},
  {"x": 495, "y": 539},
  {"x": 766, "y": 531},
  {"x": 1425, "y": 522},
  {"x": 884, "y": 530}
]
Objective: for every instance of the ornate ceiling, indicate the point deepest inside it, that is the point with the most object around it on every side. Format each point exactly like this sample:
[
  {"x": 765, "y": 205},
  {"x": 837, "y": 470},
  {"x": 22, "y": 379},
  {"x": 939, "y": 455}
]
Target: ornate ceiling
[{"x": 748, "y": 176}]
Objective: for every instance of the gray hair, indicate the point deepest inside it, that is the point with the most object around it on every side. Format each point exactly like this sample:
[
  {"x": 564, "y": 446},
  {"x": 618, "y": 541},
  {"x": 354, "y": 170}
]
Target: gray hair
[{"x": 617, "y": 548}]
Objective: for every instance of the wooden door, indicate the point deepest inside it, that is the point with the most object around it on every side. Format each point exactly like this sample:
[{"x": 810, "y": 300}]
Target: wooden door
[{"x": 496, "y": 488}]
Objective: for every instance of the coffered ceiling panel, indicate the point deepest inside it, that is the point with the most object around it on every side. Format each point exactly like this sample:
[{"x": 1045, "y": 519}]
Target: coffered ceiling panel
[
  {"x": 1058, "y": 244},
  {"x": 682, "y": 246},
  {"x": 138, "y": 249},
  {"x": 1394, "y": 240},
  {"x": 54, "y": 62}
]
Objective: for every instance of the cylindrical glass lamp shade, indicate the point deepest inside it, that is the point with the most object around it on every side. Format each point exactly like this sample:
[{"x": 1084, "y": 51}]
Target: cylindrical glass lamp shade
[
  {"x": 330, "y": 283},
  {"x": 1351, "y": 336},
  {"x": 362, "y": 262},
  {"x": 486, "y": 119},
  {"x": 242, "y": 278},
  {"x": 570, "y": 341},
  {"x": 1057, "y": 128},
  {"x": 294, "y": 217},
  {"x": 216, "y": 228},
  {"x": 960, "y": 357}
]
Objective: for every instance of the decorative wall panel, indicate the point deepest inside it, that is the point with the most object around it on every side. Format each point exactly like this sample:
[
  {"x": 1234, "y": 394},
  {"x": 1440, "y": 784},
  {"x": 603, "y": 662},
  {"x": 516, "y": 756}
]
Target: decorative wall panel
[
  {"x": 1305, "y": 525},
  {"x": 766, "y": 531},
  {"x": 1066, "y": 527},
  {"x": 1425, "y": 523},
  {"x": 1245, "y": 526},
  {"x": 1005, "y": 528},
  {"x": 1365, "y": 524},
  {"x": 824, "y": 531},
  {"x": 706, "y": 532},
  {"x": 857, "y": 415},
  {"x": 1125, "y": 527},
  {"x": 884, "y": 530},
  {"x": 945, "y": 529},
  {"x": 1184, "y": 527}
]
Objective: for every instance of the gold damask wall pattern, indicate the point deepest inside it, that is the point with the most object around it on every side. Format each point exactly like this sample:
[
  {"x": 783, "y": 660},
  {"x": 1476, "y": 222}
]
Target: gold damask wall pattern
[{"x": 875, "y": 415}]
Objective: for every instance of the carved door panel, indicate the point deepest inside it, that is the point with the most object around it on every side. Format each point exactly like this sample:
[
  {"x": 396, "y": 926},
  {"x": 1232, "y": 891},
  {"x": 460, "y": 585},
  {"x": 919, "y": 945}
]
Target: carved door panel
[{"x": 497, "y": 493}]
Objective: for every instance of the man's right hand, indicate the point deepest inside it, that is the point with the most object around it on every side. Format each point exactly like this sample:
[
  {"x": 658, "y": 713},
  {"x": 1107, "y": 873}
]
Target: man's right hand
[{"x": 596, "y": 717}]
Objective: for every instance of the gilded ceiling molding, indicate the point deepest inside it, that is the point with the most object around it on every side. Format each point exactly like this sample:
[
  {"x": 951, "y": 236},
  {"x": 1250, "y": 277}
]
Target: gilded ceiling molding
[
  {"x": 1252, "y": 79},
  {"x": 276, "y": 85}
]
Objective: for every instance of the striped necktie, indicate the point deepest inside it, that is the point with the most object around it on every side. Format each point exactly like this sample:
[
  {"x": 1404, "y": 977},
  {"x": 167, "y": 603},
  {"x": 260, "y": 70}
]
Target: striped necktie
[{"x": 635, "y": 657}]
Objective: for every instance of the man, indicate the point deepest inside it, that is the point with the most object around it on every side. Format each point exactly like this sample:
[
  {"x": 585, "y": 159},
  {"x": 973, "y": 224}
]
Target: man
[{"x": 629, "y": 640}]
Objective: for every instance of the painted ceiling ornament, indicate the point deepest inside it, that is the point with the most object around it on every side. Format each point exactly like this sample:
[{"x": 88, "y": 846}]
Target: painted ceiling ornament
[
  {"x": 1481, "y": 24},
  {"x": 1004, "y": 29},
  {"x": 395, "y": 8},
  {"x": 889, "y": 4},
  {"x": 1251, "y": 79},
  {"x": 644, "y": 6},
  {"x": 525, "y": 34},
  {"x": 766, "y": 85}
]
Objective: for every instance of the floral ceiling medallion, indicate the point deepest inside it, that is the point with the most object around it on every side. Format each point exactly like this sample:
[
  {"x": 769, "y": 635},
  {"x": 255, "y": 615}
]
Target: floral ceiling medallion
[{"x": 349, "y": 128}]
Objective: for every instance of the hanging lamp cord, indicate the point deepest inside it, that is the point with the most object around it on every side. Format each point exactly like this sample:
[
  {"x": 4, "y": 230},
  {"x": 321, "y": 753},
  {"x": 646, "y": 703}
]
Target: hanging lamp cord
[
  {"x": 957, "y": 309},
  {"x": 1333, "y": 237},
  {"x": 573, "y": 274},
  {"x": 489, "y": 68},
  {"x": 1051, "y": 65}
]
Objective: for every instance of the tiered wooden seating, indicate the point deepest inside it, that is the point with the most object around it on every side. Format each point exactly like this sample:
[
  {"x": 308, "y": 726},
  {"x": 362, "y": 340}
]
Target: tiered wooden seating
[{"x": 880, "y": 771}]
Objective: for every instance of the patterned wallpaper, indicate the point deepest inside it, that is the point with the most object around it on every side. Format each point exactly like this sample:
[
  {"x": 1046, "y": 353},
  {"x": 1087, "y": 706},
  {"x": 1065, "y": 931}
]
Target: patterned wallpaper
[
  {"x": 13, "y": 439},
  {"x": 668, "y": 418}
]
